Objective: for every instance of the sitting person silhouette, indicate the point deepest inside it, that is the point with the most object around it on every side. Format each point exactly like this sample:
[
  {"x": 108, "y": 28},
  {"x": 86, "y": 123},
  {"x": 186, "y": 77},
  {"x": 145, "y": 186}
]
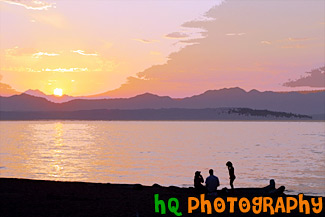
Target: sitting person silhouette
[
  {"x": 232, "y": 176},
  {"x": 212, "y": 182},
  {"x": 198, "y": 180}
]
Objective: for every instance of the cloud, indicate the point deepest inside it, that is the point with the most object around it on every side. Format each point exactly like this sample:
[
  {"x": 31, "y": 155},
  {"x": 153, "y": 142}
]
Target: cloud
[
  {"x": 176, "y": 35},
  {"x": 17, "y": 60},
  {"x": 6, "y": 90},
  {"x": 31, "y": 4},
  {"x": 83, "y": 53},
  {"x": 66, "y": 70},
  {"x": 315, "y": 78},
  {"x": 39, "y": 54},
  {"x": 27, "y": 52},
  {"x": 146, "y": 41},
  {"x": 298, "y": 39},
  {"x": 216, "y": 61},
  {"x": 17, "y": 51},
  {"x": 266, "y": 42},
  {"x": 235, "y": 34}
]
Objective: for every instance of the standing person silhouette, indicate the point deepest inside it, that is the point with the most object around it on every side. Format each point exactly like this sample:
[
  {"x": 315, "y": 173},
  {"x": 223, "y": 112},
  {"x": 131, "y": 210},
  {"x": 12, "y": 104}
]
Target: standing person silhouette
[{"x": 232, "y": 176}]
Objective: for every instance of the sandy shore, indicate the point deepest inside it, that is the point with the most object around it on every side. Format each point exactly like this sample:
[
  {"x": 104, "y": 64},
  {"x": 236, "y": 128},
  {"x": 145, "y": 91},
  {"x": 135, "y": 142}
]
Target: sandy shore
[{"x": 23, "y": 197}]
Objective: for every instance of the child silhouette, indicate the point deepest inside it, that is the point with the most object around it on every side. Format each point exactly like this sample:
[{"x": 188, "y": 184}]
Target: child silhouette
[{"x": 232, "y": 176}]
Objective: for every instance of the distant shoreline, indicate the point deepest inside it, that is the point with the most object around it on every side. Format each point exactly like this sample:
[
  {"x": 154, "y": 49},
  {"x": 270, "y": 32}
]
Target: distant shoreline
[
  {"x": 165, "y": 114},
  {"x": 75, "y": 120}
]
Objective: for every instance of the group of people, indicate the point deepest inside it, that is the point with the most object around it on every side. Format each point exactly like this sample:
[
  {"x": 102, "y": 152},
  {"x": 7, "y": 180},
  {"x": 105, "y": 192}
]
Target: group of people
[{"x": 212, "y": 181}]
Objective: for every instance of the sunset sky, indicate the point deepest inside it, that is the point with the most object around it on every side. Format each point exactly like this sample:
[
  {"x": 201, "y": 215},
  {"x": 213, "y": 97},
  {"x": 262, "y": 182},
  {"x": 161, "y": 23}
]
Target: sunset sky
[{"x": 166, "y": 47}]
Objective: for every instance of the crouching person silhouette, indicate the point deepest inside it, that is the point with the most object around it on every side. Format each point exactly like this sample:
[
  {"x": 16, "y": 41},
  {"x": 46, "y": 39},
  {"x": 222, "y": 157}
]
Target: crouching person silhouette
[{"x": 198, "y": 180}]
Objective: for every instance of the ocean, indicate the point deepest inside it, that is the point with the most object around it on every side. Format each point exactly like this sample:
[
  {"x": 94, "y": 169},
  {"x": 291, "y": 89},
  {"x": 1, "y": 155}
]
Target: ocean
[{"x": 167, "y": 152}]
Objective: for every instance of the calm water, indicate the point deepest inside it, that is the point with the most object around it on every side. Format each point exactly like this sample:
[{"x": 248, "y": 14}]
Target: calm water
[{"x": 167, "y": 153}]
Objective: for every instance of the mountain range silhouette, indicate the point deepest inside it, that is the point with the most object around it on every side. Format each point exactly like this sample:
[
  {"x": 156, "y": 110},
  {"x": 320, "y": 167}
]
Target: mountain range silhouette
[{"x": 310, "y": 103}]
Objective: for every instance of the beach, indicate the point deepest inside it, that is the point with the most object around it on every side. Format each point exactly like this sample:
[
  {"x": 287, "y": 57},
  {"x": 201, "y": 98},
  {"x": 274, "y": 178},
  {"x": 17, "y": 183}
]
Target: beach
[{"x": 24, "y": 197}]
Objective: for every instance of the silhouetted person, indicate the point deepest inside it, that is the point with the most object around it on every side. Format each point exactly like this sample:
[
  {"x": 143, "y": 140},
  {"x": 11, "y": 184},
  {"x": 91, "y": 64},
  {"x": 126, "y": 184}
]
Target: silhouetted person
[
  {"x": 232, "y": 176},
  {"x": 271, "y": 186},
  {"x": 198, "y": 180},
  {"x": 212, "y": 182}
]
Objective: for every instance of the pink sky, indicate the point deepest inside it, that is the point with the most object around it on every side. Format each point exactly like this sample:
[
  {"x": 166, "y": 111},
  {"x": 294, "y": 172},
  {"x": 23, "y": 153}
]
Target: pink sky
[{"x": 175, "y": 48}]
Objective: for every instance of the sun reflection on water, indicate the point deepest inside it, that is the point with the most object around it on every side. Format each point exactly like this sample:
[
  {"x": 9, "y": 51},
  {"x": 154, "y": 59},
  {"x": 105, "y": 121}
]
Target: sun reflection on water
[
  {"x": 59, "y": 151},
  {"x": 56, "y": 152}
]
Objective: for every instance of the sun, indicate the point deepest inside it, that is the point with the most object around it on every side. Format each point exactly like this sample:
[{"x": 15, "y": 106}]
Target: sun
[{"x": 58, "y": 92}]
